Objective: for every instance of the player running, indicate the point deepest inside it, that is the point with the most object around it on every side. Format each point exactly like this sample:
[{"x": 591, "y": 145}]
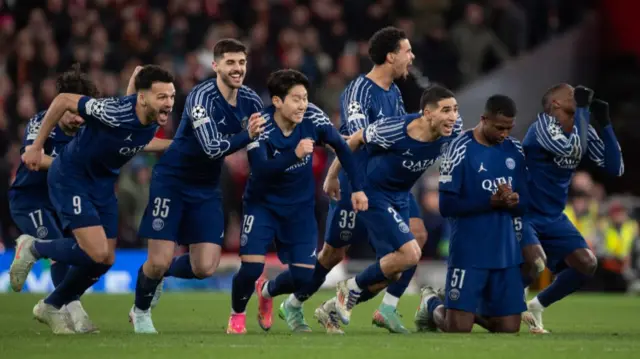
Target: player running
[
  {"x": 185, "y": 201},
  {"x": 554, "y": 146},
  {"x": 483, "y": 192},
  {"x": 81, "y": 184},
  {"x": 365, "y": 100},
  {"x": 29, "y": 201},
  {"x": 279, "y": 201},
  {"x": 399, "y": 150}
]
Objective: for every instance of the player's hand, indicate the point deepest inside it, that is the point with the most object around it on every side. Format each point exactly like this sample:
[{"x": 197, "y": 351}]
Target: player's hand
[
  {"x": 583, "y": 96},
  {"x": 503, "y": 191},
  {"x": 359, "y": 201},
  {"x": 256, "y": 125},
  {"x": 32, "y": 157},
  {"x": 304, "y": 148},
  {"x": 600, "y": 111},
  {"x": 331, "y": 187},
  {"x": 499, "y": 199},
  {"x": 512, "y": 199},
  {"x": 345, "y": 137}
]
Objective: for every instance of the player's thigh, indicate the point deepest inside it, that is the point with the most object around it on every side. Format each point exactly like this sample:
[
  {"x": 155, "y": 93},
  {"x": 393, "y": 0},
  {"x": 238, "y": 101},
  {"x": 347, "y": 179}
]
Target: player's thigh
[
  {"x": 163, "y": 214},
  {"x": 464, "y": 288},
  {"x": 343, "y": 226},
  {"x": 297, "y": 237},
  {"x": 503, "y": 295},
  {"x": 559, "y": 240},
  {"x": 73, "y": 204},
  {"x": 39, "y": 222},
  {"x": 387, "y": 227},
  {"x": 107, "y": 208},
  {"x": 258, "y": 230},
  {"x": 202, "y": 222}
]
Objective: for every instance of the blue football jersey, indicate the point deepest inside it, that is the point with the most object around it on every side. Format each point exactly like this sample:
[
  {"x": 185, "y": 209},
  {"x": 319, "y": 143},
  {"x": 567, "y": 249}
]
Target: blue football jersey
[
  {"x": 112, "y": 135},
  {"x": 210, "y": 130},
  {"x": 33, "y": 184},
  {"x": 364, "y": 102},
  {"x": 552, "y": 158},
  {"x": 278, "y": 176},
  {"x": 470, "y": 173},
  {"x": 395, "y": 160}
]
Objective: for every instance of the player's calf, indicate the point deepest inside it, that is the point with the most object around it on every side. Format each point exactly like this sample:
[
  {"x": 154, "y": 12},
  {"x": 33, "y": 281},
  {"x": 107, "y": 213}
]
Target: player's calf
[
  {"x": 416, "y": 225},
  {"x": 404, "y": 258},
  {"x": 330, "y": 256},
  {"x": 535, "y": 262}
]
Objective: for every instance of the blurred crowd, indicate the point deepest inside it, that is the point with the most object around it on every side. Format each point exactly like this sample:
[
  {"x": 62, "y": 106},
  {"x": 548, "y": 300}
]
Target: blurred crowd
[{"x": 455, "y": 42}]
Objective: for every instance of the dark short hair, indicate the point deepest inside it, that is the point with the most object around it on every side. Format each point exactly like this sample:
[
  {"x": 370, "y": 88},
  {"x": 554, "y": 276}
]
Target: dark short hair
[
  {"x": 500, "y": 105},
  {"x": 434, "y": 94},
  {"x": 546, "y": 98},
  {"x": 384, "y": 41},
  {"x": 281, "y": 82},
  {"x": 77, "y": 82},
  {"x": 228, "y": 45},
  {"x": 151, "y": 74}
]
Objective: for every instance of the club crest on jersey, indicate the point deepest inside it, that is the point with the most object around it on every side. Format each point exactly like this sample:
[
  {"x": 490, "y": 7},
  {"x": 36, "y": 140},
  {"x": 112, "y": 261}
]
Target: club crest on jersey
[
  {"x": 510, "y": 163},
  {"x": 454, "y": 294},
  {"x": 157, "y": 224},
  {"x": 42, "y": 232}
]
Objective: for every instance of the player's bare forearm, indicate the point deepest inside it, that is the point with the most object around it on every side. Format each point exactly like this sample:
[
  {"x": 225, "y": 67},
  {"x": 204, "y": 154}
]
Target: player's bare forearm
[
  {"x": 46, "y": 162},
  {"x": 356, "y": 140},
  {"x": 61, "y": 103},
  {"x": 131, "y": 87},
  {"x": 334, "y": 169},
  {"x": 158, "y": 145}
]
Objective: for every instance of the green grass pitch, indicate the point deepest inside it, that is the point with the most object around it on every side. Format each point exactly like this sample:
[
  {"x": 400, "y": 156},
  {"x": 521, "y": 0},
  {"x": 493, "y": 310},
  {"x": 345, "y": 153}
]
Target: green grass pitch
[{"x": 192, "y": 326}]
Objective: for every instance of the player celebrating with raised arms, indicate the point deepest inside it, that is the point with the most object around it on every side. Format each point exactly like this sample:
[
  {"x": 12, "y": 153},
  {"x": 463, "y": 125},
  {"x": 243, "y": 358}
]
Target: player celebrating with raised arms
[
  {"x": 365, "y": 100},
  {"x": 279, "y": 202},
  {"x": 399, "y": 150},
  {"x": 483, "y": 193},
  {"x": 185, "y": 201},
  {"x": 555, "y": 145},
  {"x": 81, "y": 184}
]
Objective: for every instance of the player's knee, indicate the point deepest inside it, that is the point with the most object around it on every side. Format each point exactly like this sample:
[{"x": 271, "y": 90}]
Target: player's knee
[
  {"x": 419, "y": 233},
  {"x": 202, "y": 271},
  {"x": 99, "y": 255},
  {"x": 589, "y": 263},
  {"x": 412, "y": 253},
  {"x": 329, "y": 256}
]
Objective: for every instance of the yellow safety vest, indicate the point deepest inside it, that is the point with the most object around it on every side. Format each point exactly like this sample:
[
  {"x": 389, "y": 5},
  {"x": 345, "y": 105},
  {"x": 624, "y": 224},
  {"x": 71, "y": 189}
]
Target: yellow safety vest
[
  {"x": 585, "y": 224},
  {"x": 618, "y": 243}
]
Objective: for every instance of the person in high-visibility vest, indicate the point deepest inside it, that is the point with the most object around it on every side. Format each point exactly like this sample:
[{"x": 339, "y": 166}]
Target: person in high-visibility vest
[
  {"x": 619, "y": 233},
  {"x": 583, "y": 213}
]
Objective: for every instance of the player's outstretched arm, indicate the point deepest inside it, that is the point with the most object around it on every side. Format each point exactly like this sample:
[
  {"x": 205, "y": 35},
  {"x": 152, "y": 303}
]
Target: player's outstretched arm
[
  {"x": 344, "y": 154},
  {"x": 605, "y": 152},
  {"x": 262, "y": 166},
  {"x": 32, "y": 157},
  {"x": 157, "y": 145},
  {"x": 131, "y": 87}
]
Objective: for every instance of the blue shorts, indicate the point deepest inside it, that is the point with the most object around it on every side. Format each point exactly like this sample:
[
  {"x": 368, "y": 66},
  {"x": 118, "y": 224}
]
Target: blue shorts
[
  {"x": 487, "y": 292},
  {"x": 81, "y": 202},
  {"x": 387, "y": 225},
  {"x": 294, "y": 230},
  {"x": 344, "y": 227},
  {"x": 185, "y": 214},
  {"x": 37, "y": 221},
  {"x": 558, "y": 239}
]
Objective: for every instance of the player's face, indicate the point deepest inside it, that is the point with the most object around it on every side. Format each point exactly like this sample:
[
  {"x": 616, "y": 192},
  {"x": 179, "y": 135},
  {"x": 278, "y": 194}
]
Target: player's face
[
  {"x": 564, "y": 100},
  {"x": 402, "y": 59},
  {"x": 444, "y": 116},
  {"x": 497, "y": 128},
  {"x": 231, "y": 68},
  {"x": 159, "y": 101},
  {"x": 71, "y": 123},
  {"x": 294, "y": 105}
]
